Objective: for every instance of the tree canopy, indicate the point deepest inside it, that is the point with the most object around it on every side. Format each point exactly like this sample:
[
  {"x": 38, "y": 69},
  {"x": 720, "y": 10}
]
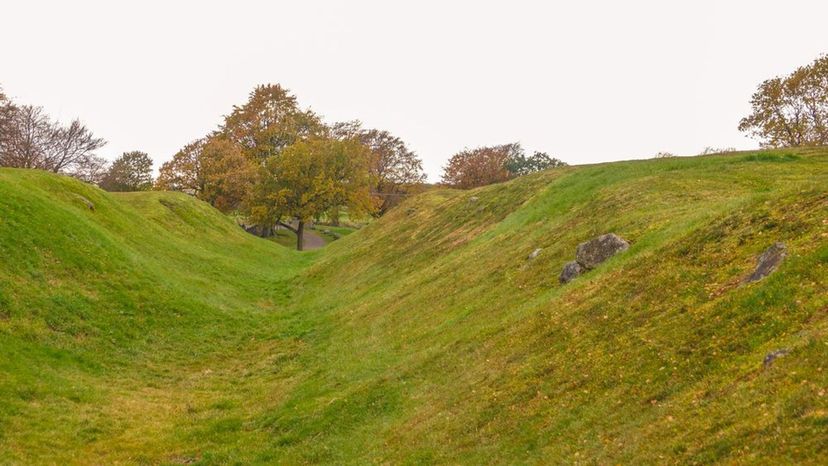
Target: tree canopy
[
  {"x": 394, "y": 167},
  {"x": 519, "y": 164},
  {"x": 7, "y": 109},
  {"x": 235, "y": 167},
  {"x": 269, "y": 121},
  {"x": 132, "y": 171},
  {"x": 221, "y": 168},
  {"x": 183, "y": 172},
  {"x": 311, "y": 177},
  {"x": 29, "y": 138},
  {"x": 226, "y": 174},
  {"x": 791, "y": 110},
  {"x": 471, "y": 168}
]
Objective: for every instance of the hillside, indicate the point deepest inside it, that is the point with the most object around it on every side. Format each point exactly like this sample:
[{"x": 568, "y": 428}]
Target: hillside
[{"x": 153, "y": 330}]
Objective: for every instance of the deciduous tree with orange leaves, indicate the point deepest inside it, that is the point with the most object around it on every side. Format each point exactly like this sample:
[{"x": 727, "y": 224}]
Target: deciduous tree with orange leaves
[
  {"x": 269, "y": 121},
  {"x": 791, "y": 110},
  {"x": 396, "y": 170},
  {"x": 471, "y": 168},
  {"x": 183, "y": 172},
  {"x": 227, "y": 174}
]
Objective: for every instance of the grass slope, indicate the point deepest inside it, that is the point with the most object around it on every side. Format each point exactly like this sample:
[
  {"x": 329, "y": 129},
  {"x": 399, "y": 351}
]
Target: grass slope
[{"x": 152, "y": 330}]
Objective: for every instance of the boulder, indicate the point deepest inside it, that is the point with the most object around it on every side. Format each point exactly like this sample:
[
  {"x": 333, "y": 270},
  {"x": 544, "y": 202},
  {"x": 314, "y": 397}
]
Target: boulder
[
  {"x": 534, "y": 254},
  {"x": 768, "y": 262},
  {"x": 595, "y": 251},
  {"x": 569, "y": 272}
]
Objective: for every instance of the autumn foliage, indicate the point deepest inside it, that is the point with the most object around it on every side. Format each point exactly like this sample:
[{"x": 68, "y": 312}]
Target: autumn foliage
[
  {"x": 310, "y": 178},
  {"x": 268, "y": 122},
  {"x": 274, "y": 162},
  {"x": 472, "y": 168},
  {"x": 395, "y": 169},
  {"x": 183, "y": 172},
  {"x": 791, "y": 110}
]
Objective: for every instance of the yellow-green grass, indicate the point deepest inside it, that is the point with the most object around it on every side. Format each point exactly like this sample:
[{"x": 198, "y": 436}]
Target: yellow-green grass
[
  {"x": 284, "y": 237},
  {"x": 153, "y": 330},
  {"x": 332, "y": 233}
]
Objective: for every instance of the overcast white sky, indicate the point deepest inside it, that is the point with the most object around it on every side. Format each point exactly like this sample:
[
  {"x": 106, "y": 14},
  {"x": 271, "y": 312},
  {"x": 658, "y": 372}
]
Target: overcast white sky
[{"x": 585, "y": 81}]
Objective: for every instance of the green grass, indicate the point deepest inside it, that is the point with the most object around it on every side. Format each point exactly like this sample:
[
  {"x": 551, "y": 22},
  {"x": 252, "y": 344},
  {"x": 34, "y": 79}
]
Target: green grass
[
  {"x": 284, "y": 237},
  {"x": 332, "y": 233},
  {"x": 153, "y": 330}
]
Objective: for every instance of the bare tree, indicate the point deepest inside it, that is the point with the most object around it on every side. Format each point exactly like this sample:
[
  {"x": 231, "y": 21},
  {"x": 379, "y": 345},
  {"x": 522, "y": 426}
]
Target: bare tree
[
  {"x": 6, "y": 112},
  {"x": 72, "y": 145},
  {"x": 32, "y": 140},
  {"x": 27, "y": 138},
  {"x": 92, "y": 170}
]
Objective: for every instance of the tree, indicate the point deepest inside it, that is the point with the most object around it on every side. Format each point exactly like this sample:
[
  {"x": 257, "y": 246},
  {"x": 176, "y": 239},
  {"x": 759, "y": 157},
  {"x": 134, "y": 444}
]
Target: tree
[
  {"x": 28, "y": 136},
  {"x": 212, "y": 169},
  {"x": 74, "y": 145},
  {"x": 519, "y": 164},
  {"x": 226, "y": 174},
  {"x": 791, "y": 110},
  {"x": 32, "y": 140},
  {"x": 395, "y": 168},
  {"x": 92, "y": 170},
  {"x": 4, "y": 102},
  {"x": 132, "y": 171},
  {"x": 183, "y": 172},
  {"x": 311, "y": 177},
  {"x": 7, "y": 110},
  {"x": 270, "y": 121},
  {"x": 471, "y": 168}
]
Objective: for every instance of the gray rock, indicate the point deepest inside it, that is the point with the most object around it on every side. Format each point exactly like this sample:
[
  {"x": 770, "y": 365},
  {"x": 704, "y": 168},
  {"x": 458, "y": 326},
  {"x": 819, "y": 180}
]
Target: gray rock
[
  {"x": 534, "y": 254},
  {"x": 770, "y": 357},
  {"x": 258, "y": 230},
  {"x": 591, "y": 253},
  {"x": 569, "y": 272},
  {"x": 89, "y": 205},
  {"x": 768, "y": 262}
]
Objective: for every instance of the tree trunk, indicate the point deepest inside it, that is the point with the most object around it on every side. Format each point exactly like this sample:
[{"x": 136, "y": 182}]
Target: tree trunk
[
  {"x": 286, "y": 226},
  {"x": 300, "y": 236}
]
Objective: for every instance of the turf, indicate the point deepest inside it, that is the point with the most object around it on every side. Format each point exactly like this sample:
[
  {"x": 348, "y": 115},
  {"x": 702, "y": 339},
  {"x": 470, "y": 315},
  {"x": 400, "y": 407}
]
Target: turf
[
  {"x": 153, "y": 330},
  {"x": 285, "y": 238}
]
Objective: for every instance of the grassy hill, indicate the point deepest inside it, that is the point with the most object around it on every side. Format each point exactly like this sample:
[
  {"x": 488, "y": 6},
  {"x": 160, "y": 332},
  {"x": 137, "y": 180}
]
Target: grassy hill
[{"x": 150, "y": 329}]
